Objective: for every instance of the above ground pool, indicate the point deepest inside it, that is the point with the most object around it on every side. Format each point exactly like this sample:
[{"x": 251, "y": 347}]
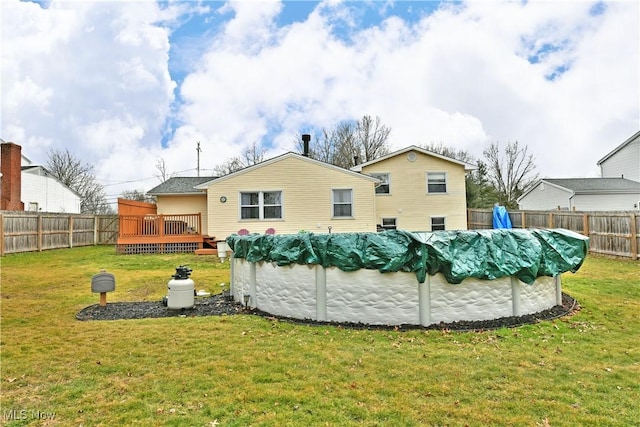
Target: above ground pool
[{"x": 403, "y": 278}]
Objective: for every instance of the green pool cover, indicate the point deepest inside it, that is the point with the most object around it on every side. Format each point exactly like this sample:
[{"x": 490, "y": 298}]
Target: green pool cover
[{"x": 483, "y": 254}]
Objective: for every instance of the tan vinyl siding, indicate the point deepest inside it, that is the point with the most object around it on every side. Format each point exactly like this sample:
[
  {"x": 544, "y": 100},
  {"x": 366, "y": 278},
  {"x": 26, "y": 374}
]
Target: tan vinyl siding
[
  {"x": 306, "y": 199},
  {"x": 409, "y": 201},
  {"x": 184, "y": 205}
]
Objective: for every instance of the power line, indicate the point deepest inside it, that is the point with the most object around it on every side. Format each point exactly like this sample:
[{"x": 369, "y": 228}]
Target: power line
[{"x": 123, "y": 182}]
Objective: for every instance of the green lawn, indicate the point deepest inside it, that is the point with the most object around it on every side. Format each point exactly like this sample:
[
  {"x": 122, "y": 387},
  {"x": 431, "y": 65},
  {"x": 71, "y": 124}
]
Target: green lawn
[{"x": 247, "y": 370}]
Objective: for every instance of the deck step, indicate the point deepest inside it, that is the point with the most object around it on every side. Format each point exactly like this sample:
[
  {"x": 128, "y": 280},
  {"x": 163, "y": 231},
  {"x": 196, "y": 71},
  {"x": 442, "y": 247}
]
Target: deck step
[
  {"x": 209, "y": 241},
  {"x": 206, "y": 252}
]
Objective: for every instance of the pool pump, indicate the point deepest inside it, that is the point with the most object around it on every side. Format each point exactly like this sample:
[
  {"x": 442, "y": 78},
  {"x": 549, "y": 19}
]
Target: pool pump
[{"x": 181, "y": 290}]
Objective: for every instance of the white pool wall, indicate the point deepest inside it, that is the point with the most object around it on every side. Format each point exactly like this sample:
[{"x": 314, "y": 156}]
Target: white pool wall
[{"x": 311, "y": 292}]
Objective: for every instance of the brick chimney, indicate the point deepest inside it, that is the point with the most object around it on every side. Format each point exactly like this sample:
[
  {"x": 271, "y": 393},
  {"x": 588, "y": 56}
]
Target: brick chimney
[{"x": 11, "y": 169}]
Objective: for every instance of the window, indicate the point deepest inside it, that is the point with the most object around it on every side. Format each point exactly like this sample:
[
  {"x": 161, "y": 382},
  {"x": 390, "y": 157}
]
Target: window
[
  {"x": 33, "y": 206},
  {"x": 272, "y": 201},
  {"x": 342, "y": 203},
  {"x": 250, "y": 205},
  {"x": 261, "y": 205},
  {"x": 437, "y": 223},
  {"x": 383, "y": 187},
  {"x": 388, "y": 223},
  {"x": 436, "y": 182}
]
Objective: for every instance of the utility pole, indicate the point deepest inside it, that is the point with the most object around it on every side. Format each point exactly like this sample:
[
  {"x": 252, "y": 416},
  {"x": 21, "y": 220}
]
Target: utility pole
[{"x": 198, "y": 151}]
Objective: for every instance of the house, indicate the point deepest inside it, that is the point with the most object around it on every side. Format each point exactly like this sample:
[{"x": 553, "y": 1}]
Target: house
[
  {"x": 419, "y": 190},
  {"x": 287, "y": 194},
  {"x": 618, "y": 188},
  {"x": 178, "y": 195},
  {"x": 29, "y": 187},
  {"x": 582, "y": 194},
  {"x": 42, "y": 192},
  {"x": 412, "y": 189},
  {"x": 623, "y": 161}
]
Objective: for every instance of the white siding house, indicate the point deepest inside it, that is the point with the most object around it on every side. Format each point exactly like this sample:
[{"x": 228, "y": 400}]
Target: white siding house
[
  {"x": 618, "y": 188},
  {"x": 582, "y": 194},
  {"x": 29, "y": 187},
  {"x": 546, "y": 195},
  {"x": 42, "y": 192},
  {"x": 623, "y": 161}
]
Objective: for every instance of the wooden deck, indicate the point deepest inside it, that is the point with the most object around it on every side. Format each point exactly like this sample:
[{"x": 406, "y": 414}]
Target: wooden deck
[{"x": 161, "y": 234}]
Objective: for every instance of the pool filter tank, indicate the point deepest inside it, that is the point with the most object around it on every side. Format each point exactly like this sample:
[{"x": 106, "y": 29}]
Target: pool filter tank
[{"x": 181, "y": 290}]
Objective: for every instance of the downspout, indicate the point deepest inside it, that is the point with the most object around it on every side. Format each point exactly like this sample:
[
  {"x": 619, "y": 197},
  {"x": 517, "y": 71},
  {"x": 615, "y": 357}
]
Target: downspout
[{"x": 573, "y": 193}]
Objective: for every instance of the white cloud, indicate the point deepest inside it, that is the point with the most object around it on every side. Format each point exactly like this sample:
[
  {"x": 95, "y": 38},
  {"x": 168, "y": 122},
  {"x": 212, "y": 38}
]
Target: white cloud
[
  {"x": 93, "y": 77},
  {"x": 73, "y": 70}
]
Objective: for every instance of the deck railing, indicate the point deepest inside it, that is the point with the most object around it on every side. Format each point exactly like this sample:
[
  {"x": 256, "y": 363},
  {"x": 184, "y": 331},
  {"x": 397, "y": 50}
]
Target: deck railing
[{"x": 132, "y": 226}]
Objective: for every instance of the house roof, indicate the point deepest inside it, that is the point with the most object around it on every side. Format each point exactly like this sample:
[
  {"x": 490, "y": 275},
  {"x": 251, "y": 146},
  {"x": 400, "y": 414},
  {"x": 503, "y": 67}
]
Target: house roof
[
  {"x": 467, "y": 166},
  {"x": 590, "y": 185},
  {"x": 281, "y": 157},
  {"x": 632, "y": 138},
  {"x": 182, "y": 185}
]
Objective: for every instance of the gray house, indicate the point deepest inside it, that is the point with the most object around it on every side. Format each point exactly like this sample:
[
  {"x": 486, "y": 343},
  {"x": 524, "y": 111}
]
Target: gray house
[
  {"x": 582, "y": 194},
  {"x": 618, "y": 189},
  {"x": 623, "y": 161}
]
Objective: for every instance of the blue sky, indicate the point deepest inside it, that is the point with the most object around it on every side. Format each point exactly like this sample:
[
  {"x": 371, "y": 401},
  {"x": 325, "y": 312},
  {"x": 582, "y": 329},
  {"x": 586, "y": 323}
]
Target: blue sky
[
  {"x": 191, "y": 38},
  {"x": 124, "y": 84}
]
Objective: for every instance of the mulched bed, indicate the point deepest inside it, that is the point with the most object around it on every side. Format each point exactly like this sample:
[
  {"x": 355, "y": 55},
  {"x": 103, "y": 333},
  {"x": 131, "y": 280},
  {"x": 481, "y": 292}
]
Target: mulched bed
[{"x": 217, "y": 305}]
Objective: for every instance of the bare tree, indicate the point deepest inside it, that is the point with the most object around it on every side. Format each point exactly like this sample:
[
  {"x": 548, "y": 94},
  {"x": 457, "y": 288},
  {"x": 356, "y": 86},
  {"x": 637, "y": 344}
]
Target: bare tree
[
  {"x": 454, "y": 153},
  {"x": 138, "y": 196},
  {"x": 251, "y": 156},
  {"x": 229, "y": 166},
  {"x": 68, "y": 169},
  {"x": 510, "y": 172},
  {"x": 372, "y": 136},
  {"x": 365, "y": 140},
  {"x": 479, "y": 191},
  {"x": 347, "y": 148},
  {"x": 324, "y": 145},
  {"x": 162, "y": 171},
  {"x": 79, "y": 177}
]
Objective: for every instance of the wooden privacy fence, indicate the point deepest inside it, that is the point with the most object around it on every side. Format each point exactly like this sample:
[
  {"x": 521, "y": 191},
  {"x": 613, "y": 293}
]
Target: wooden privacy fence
[
  {"x": 609, "y": 233},
  {"x": 29, "y": 232}
]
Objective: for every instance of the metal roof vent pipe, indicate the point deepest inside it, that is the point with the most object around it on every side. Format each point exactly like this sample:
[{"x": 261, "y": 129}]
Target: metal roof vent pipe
[{"x": 305, "y": 141}]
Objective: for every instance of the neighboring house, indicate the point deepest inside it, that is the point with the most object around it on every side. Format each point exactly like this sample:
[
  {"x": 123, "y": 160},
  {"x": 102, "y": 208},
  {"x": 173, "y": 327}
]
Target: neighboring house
[
  {"x": 582, "y": 194},
  {"x": 618, "y": 189},
  {"x": 412, "y": 189},
  {"x": 28, "y": 187},
  {"x": 42, "y": 192},
  {"x": 419, "y": 190},
  {"x": 623, "y": 161}
]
